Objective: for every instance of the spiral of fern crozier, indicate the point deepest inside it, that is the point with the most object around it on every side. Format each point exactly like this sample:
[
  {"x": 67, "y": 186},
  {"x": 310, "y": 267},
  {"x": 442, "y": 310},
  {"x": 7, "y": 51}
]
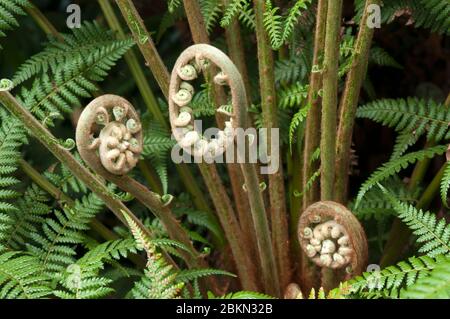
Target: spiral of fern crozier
[
  {"x": 109, "y": 134},
  {"x": 332, "y": 237},
  {"x": 6, "y": 85},
  {"x": 193, "y": 60}
]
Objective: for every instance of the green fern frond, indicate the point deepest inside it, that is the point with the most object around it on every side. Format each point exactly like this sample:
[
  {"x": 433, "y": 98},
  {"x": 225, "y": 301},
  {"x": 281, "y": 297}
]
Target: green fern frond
[
  {"x": 308, "y": 184},
  {"x": 380, "y": 57},
  {"x": 61, "y": 89},
  {"x": 81, "y": 280},
  {"x": 87, "y": 40},
  {"x": 430, "y": 14},
  {"x": 201, "y": 103},
  {"x": 434, "y": 235},
  {"x": 375, "y": 205},
  {"x": 211, "y": 10},
  {"x": 54, "y": 246},
  {"x": 173, "y": 4},
  {"x": 393, "y": 167},
  {"x": 445, "y": 184},
  {"x": 292, "y": 96},
  {"x": 21, "y": 278},
  {"x": 390, "y": 280},
  {"x": 280, "y": 27},
  {"x": 9, "y": 9},
  {"x": 292, "y": 70},
  {"x": 434, "y": 286},
  {"x": 206, "y": 220},
  {"x": 190, "y": 275},
  {"x": 297, "y": 119},
  {"x": 159, "y": 279},
  {"x": 413, "y": 116}
]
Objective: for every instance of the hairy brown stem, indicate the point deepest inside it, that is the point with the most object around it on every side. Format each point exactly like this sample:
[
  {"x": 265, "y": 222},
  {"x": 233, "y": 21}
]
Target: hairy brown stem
[
  {"x": 330, "y": 100},
  {"x": 349, "y": 102},
  {"x": 278, "y": 212}
]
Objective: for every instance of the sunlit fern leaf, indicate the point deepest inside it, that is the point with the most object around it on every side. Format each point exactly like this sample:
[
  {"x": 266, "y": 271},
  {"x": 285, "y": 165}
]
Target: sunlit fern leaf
[
  {"x": 9, "y": 9},
  {"x": 54, "y": 245},
  {"x": 211, "y": 10},
  {"x": 85, "y": 41},
  {"x": 309, "y": 184},
  {"x": 390, "y": 280},
  {"x": 375, "y": 205},
  {"x": 445, "y": 184},
  {"x": 433, "y": 235},
  {"x": 393, "y": 167},
  {"x": 62, "y": 89},
  {"x": 434, "y": 286},
  {"x": 21, "y": 277},
  {"x": 380, "y": 57},
  {"x": 173, "y": 4}
]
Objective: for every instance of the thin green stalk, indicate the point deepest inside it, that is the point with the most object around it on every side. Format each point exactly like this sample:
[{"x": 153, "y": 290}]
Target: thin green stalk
[
  {"x": 349, "y": 102},
  {"x": 154, "y": 62},
  {"x": 330, "y": 100},
  {"x": 312, "y": 131},
  {"x": 144, "y": 41},
  {"x": 42, "y": 21},
  {"x": 309, "y": 272},
  {"x": 278, "y": 212}
]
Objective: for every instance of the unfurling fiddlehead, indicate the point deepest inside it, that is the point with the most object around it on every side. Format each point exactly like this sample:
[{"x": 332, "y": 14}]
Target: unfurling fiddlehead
[
  {"x": 332, "y": 238},
  {"x": 190, "y": 64},
  {"x": 109, "y": 140}
]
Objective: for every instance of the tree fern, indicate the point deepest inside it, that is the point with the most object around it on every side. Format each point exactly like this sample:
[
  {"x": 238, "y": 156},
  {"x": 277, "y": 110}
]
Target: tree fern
[
  {"x": 9, "y": 9},
  {"x": 21, "y": 277},
  {"x": 434, "y": 286},
  {"x": 380, "y": 57},
  {"x": 393, "y": 167}
]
